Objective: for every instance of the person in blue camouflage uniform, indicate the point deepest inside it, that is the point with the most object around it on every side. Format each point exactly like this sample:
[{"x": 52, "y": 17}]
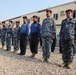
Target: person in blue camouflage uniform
[
  {"x": 9, "y": 36},
  {"x": 3, "y": 34},
  {"x": 48, "y": 31},
  {"x": 16, "y": 37},
  {"x": 67, "y": 37}
]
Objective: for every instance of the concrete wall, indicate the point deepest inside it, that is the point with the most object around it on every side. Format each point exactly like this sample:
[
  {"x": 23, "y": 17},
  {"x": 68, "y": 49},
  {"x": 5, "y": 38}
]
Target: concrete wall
[
  {"x": 42, "y": 14},
  {"x": 56, "y": 9}
]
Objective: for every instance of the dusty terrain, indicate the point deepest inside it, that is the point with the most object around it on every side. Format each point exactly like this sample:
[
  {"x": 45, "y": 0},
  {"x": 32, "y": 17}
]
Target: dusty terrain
[{"x": 14, "y": 64}]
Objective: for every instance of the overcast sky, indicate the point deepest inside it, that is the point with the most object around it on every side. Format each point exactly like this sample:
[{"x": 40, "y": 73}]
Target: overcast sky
[{"x": 13, "y": 8}]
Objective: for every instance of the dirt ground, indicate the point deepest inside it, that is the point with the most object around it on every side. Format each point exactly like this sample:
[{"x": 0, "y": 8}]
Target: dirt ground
[{"x": 14, "y": 64}]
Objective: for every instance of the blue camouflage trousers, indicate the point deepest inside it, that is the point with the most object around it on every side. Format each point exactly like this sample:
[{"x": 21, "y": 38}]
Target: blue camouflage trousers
[
  {"x": 46, "y": 47},
  {"x": 67, "y": 50},
  {"x": 8, "y": 42},
  {"x": 16, "y": 43},
  {"x": 3, "y": 40}
]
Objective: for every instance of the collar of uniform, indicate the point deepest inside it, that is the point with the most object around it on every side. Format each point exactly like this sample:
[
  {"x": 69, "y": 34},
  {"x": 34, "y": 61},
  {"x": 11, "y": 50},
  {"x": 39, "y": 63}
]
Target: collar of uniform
[
  {"x": 3, "y": 25},
  {"x": 35, "y": 22},
  {"x": 9, "y": 25},
  {"x": 68, "y": 19},
  {"x": 25, "y": 23},
  {"x": 17, "y": 26},
  {"x": 49, "y": 17}
]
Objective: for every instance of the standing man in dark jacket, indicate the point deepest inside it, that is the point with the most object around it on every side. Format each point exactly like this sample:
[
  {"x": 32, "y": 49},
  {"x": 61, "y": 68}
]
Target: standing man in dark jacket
[
  {"x": 67, "y": 38},
  {"x": 24, "y": 32},
  {"x": 35, "y": 36}
]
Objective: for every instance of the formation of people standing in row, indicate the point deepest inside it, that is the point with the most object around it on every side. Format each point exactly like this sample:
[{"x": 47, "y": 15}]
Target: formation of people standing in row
[{"x": 46, "y": 33}]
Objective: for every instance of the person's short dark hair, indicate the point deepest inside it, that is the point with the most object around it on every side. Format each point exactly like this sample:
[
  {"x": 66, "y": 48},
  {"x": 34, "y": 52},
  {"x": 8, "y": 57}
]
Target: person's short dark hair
[
  {"x": 17, "y": 21},
  {"x": 10, "y": 21},
  {"x": 35, "y": 16},
  {"x": 3, "y": 22},
  {"x": 25, "y": 17}
]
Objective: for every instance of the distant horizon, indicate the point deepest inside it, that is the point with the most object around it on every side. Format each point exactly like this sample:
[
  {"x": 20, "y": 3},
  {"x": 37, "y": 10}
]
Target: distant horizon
[{"x": 11, "y": 15}]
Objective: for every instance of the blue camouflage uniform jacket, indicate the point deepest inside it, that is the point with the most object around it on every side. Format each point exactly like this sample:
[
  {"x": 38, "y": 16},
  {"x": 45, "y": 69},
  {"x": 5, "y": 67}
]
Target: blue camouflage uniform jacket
[
  {"x": 68, "y": 29},
  {"x": 9, "y": 30},
  {"x": 3, "y": 31},
  {"x": 16, "y": 32},
  {"x": 48, "y": 27}
]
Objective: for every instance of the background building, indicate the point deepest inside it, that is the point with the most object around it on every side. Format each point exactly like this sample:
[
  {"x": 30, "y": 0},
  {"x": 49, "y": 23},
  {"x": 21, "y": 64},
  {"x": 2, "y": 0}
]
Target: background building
[{"x": 58, "y": 14}]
